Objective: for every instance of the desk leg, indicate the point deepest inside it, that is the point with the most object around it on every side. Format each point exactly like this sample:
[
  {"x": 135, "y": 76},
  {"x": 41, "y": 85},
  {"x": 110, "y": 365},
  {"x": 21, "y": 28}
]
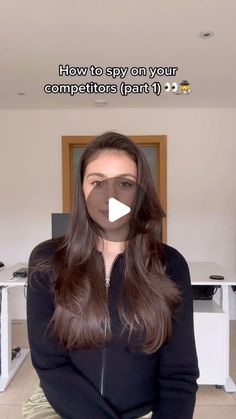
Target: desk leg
[
  {"x": 229, "y": 383},
  {"x": 8, "y": 367},
  {"x": 5, "y": 336}
]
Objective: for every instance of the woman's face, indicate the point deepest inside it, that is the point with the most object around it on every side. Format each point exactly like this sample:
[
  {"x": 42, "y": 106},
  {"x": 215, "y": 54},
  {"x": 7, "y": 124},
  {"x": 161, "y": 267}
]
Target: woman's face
[{"x": 111, "y": 174}]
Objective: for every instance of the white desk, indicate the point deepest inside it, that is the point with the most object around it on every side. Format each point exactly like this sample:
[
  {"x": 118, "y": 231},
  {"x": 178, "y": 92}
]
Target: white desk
[
  {"x": 9, "y": 366},
  {"x": 211, "y": 324}
]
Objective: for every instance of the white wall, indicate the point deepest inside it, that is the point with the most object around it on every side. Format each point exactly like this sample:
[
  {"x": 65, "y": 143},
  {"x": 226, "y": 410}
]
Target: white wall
[{"x": 201, "y": 176}]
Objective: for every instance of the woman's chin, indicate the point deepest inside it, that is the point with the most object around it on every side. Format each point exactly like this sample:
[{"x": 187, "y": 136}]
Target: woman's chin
[{"x": 114, "y": 231}]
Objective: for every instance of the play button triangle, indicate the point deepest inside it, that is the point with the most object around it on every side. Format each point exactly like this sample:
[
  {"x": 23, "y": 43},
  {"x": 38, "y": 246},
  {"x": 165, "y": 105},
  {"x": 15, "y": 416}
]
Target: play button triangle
[{"x": 117, "y": 209}]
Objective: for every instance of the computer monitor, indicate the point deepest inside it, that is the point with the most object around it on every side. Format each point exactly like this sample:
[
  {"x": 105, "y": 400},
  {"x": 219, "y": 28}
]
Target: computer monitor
[{"x": 60, "y": 222}]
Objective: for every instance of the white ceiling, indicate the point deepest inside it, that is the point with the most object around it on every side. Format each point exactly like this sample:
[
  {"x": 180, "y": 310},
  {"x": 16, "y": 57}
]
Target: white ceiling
[{"x": 35, "y": 37}]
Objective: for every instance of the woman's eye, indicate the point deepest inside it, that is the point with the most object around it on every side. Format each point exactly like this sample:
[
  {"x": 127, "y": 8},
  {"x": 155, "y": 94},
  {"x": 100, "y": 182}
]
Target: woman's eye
[
  {"x": 122, "y": 184},
  {"x": 97, "y": 183},
  {"x": 125, "y": 185}
]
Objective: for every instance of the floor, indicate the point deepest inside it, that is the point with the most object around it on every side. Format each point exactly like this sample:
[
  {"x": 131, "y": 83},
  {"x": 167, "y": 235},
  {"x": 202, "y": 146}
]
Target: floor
[{"x": 211, "y": 402}]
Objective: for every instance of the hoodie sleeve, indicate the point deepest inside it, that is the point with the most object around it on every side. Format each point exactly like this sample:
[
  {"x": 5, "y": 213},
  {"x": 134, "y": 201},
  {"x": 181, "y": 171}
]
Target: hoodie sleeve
[
  {"x": 68, "y": 391},
  {"x": 178, "y": 368}
]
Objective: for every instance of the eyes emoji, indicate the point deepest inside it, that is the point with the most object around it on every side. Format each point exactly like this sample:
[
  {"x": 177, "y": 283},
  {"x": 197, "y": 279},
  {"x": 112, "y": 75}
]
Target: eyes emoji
[{"x": 168, "y": 87}]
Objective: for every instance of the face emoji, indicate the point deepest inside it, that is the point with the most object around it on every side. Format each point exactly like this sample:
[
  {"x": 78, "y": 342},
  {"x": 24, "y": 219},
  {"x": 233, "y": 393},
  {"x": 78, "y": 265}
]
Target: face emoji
[{"x": 185, "y": 87}]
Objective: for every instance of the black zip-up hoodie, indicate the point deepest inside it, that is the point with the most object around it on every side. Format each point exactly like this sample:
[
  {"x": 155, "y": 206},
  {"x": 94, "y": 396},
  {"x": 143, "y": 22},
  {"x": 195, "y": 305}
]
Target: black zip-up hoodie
[{"x": 114, "y": 383}]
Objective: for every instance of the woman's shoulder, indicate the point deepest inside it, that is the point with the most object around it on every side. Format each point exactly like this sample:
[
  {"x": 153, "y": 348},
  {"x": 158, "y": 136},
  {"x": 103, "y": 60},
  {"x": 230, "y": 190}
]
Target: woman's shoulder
[
  {"x": 176, "y": 264},
  {"x": 45, "y": 250},
  {"x": 172, "y": 254}
]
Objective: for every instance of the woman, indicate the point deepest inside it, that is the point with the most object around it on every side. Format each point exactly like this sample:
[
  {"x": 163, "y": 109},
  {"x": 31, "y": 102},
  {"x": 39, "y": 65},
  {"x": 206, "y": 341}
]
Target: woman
[{"x": 109, "y": 307}]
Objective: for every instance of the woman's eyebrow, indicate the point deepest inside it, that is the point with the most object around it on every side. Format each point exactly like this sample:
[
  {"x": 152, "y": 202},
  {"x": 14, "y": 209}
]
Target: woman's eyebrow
[{"x": 103, "y": 176}]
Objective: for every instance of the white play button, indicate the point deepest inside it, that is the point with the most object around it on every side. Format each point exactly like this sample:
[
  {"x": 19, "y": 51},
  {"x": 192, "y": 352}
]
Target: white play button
[
  {"x": 116, "y": 209},
  {"x": 111, "y": 204}
]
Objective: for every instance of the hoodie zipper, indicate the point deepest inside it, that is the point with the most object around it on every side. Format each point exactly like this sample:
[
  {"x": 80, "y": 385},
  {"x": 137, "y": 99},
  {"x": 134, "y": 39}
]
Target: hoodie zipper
[{"x": 107, "y": 285}]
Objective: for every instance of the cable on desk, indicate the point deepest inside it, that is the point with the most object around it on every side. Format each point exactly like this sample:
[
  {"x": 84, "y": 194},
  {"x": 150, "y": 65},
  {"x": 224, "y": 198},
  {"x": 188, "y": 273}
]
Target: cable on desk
[
  {"x": 204, "y": 292},
  {"x": 25, "y": 289}
]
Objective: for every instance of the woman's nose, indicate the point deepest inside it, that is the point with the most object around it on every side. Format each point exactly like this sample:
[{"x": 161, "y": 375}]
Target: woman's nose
[{"x": 110, "y": 190}]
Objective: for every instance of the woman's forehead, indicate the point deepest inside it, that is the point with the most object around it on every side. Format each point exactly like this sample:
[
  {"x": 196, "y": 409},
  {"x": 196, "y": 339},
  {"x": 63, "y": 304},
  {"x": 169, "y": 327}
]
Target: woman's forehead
[{"x": 111, "y": 162}]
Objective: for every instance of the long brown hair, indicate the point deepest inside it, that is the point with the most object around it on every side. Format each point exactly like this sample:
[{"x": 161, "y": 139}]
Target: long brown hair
[{"x": 148, "y": 297}]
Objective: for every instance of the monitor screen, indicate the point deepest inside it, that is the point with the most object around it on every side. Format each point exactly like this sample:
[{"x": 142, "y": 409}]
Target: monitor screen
[{"x": 60, "y": 222}]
